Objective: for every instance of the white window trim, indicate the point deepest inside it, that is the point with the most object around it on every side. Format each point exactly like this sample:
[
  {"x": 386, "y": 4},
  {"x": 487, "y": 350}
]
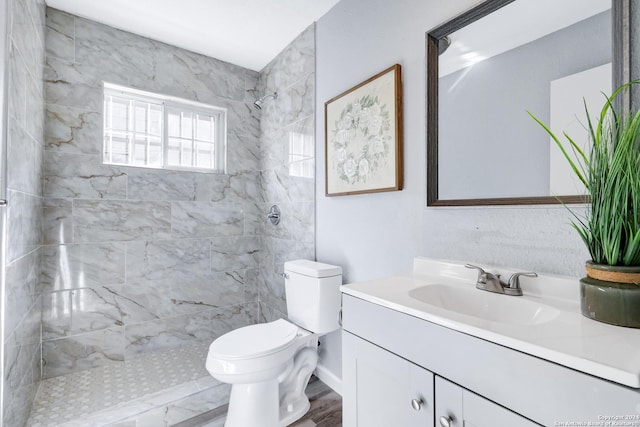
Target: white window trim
[{"x": 174, "y": 103}]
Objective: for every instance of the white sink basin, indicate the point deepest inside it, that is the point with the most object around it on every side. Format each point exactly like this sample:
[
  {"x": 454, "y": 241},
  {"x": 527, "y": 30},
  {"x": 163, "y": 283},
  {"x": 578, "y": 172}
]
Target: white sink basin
[{"x": 485, "y": 305}]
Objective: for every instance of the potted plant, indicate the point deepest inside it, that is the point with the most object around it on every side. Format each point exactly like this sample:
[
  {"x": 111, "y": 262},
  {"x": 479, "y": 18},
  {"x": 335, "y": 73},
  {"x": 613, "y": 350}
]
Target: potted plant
[{"x": 610, "y": 228}]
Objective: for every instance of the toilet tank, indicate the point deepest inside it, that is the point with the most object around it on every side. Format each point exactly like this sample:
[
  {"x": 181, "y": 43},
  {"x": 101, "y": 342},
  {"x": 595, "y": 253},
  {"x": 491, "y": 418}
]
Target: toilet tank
[{"x": 313, "y": 294}]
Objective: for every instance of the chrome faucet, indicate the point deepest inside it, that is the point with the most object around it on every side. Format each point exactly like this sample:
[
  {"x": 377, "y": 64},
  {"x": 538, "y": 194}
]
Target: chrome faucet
[
  {"x": 491, "y": 281},
  {"x": 488, "y": 281}
]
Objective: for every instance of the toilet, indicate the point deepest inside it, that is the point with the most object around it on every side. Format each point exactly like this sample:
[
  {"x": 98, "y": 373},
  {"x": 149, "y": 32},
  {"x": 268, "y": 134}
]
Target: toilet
[{"x": 269, "y": 365}]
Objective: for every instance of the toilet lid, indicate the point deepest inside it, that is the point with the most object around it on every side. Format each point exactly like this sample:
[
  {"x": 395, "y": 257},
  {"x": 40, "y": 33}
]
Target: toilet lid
[{"x": 254, "y": 340}]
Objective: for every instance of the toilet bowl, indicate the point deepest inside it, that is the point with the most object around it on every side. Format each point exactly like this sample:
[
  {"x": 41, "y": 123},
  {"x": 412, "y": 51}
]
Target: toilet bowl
[{"x": 269, "y": 365}]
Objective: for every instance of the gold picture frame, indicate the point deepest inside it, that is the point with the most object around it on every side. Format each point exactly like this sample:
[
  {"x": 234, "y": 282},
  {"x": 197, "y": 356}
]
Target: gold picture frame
[{"x": 363, "y": 137}]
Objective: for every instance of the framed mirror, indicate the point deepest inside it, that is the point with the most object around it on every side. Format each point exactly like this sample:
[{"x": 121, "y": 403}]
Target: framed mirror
[{"x": 490, "y": 65}]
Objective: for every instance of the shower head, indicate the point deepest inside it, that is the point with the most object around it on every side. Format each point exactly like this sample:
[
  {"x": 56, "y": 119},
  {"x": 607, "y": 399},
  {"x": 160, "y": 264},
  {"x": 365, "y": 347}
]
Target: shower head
[{"x": 260, "y": 102}]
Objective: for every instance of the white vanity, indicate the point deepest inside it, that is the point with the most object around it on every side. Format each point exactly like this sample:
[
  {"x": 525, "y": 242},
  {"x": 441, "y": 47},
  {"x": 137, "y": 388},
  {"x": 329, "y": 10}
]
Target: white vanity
[{"x": 429, "y": 349}]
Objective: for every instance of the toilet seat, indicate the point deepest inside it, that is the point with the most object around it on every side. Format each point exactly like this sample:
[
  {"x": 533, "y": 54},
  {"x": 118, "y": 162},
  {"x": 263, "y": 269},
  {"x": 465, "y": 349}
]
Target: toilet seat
[{"x": 254, "y": 340}]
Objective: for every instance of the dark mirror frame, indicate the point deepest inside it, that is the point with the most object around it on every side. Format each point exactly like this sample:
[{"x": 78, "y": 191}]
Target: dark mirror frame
[{"x": 621, "y": 71}]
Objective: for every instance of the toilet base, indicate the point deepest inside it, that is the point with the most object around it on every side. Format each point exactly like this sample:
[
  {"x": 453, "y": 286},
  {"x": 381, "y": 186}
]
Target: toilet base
[
  {"x": 278, "y": 402},
  {"x": 257, "y": 405},
  {"x": 294, "y": 403},
  {"x": 293, "y": 412},
  {"x": 254, "y": 404}
]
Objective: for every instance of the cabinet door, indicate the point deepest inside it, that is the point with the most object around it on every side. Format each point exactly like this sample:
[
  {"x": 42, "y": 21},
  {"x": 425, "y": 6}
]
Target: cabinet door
[
  {"x": 381, "y": 389},
  {"x": 458, "y": 407}
]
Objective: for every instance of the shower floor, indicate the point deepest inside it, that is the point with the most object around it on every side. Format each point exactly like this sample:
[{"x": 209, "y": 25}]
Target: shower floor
[{"x": 157, "y": 389}]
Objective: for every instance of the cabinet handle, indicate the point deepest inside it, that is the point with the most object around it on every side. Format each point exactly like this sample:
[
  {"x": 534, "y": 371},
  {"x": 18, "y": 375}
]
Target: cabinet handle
[
  {"x": 446, "y": 421},
  {"x": 417, "y": 404}
]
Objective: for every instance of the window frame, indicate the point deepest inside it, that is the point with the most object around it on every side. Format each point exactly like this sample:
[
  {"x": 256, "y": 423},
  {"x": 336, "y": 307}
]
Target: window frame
[
  {"x": 304, "y": 161},
  {"x": 167, "y": 103}
]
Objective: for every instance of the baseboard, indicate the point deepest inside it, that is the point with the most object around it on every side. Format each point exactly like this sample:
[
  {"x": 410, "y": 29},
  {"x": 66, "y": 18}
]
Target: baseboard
[{"x": 329, "y": 378}]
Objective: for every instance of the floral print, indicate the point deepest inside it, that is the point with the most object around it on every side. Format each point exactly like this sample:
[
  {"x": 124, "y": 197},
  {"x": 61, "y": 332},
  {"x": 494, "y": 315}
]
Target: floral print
[{"x": 361, "y": 139}]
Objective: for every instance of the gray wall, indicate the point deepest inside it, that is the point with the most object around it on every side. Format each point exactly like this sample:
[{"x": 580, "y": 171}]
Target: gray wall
[
  {"x": 378, "y": 235},
  {"x": 135, "y": 259},
  {"x": 292, "y": 75},
  {"x": 21, "y": 370},
  {"x": 500, "y": 151}
]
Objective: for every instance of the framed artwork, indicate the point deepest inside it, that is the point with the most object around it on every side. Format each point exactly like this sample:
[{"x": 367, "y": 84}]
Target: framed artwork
[{"x": 363, "y": 137}]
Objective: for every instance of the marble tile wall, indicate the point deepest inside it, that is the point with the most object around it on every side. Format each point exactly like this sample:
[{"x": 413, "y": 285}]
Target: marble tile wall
[
  {"x": 136, "y": 260},
  {"x": 287, "y": 176},
  {"x": 25, "y": 148}
]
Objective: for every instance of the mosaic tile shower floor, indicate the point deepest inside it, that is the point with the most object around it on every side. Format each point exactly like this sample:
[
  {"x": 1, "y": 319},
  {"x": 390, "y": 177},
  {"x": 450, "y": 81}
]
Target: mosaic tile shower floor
[{"x": 72, "y": 398}]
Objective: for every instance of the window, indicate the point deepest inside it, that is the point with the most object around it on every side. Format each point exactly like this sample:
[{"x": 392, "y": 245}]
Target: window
[
  {"x": 301, "y": 153},
  {"x": 155, "y": 131}
]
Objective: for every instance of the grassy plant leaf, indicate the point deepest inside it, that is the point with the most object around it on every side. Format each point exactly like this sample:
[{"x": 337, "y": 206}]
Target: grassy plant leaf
[{"x": 610, "y": 172}]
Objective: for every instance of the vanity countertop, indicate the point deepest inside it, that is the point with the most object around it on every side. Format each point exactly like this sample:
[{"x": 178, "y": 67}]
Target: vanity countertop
[{"x": 567, "y": 338}]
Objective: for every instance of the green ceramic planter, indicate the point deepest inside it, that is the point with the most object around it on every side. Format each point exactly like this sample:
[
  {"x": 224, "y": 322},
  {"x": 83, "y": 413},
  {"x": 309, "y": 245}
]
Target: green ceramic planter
[{"x": 610, "y": 302}]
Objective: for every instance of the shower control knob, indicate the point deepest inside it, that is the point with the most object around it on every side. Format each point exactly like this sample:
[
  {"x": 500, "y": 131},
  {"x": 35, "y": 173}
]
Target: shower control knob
[
  {"x": 416, "y": 404},
  {"x": 274, "y": 215}
]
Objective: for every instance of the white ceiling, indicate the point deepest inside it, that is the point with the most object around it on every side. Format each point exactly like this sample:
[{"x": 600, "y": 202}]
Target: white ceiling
[{"x": 249, "y": 33}]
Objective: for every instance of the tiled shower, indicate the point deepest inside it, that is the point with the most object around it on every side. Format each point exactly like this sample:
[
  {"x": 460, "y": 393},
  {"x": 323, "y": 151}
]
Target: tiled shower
[{"x": 109, "y": 265}]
